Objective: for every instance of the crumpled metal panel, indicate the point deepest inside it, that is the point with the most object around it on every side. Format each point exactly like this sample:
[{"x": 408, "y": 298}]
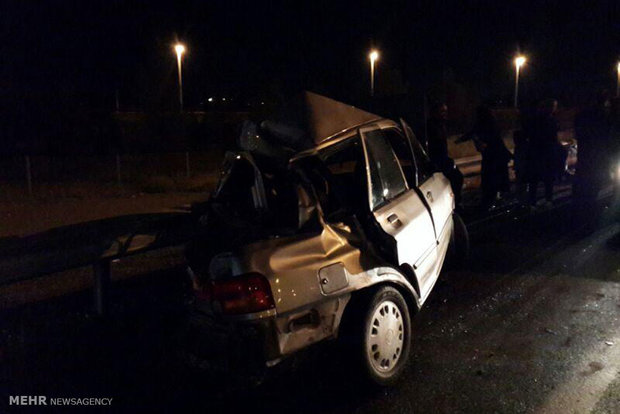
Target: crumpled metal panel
[
  {"x": 327, "y": 117},
  {"x": 292, "y": 264},
  {"x": 306, "y": 313},
  {"x": 322, "y": 321},
  {"x": 308, "y": 119}
]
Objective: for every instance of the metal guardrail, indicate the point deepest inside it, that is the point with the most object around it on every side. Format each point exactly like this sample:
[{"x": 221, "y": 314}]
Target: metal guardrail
[
  {"x": 98, "y": 243},
  {"x": 94, "y": 244}
]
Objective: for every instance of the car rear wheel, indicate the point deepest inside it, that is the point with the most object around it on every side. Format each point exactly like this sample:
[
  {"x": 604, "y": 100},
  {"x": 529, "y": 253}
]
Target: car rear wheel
[{"x": 386, "y": 336}]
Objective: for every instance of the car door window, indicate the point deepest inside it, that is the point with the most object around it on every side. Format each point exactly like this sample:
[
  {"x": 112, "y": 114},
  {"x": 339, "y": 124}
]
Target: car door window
[
  {"x": 386, "y": 177},
  {"x": 426, "y": 169},
  {"x": 403, "y": 153},
  {"x": 424, "y": 166}
]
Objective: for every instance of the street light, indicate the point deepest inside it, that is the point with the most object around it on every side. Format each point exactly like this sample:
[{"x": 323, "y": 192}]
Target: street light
[
  {"x": 180, "y": 49},
  {"x": 519, "y": 61},
  {"x": 618, "y": 82},
  {"x": 373, "y": 56}
]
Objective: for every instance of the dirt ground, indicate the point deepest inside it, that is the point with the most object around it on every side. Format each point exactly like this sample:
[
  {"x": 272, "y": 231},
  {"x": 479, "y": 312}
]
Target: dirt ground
[{"x": 23, "y": 216}]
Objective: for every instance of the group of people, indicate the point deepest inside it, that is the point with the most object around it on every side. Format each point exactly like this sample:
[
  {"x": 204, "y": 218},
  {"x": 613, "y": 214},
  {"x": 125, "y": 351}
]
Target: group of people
[
  {"x": 538, "y": 155},
  {"x": 487, "y": 139},
  {"x": 597, "y": 129}
]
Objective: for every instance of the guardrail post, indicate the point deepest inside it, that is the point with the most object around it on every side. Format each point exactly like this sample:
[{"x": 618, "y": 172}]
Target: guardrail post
[
  {"x": 101, "y": 286},
  {"x": 187, "y": 169},
  {"x": 118, "y": 170}
]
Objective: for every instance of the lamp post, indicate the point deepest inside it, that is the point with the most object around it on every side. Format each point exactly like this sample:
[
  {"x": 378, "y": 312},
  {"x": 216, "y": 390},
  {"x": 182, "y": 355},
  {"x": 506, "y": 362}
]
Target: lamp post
[
  {"x": 618, "y": 82},
  {"x": 519, "y": 61},
  {"x": 373, "y": 56},
  {"x": 180, "y": 49}
]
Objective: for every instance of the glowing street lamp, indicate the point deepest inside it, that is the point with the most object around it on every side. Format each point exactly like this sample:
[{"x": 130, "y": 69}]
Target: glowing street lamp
[
  {"x": 618, "y": 82},
  {"x": 180, "y": 49},
  {"x": 373, "y": 56},
  {"x": 519, "y": 61}
]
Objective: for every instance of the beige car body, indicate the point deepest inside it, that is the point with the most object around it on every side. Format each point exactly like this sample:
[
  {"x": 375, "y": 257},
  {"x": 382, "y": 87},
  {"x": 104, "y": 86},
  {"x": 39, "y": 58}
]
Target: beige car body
[{"x": 313, "y": 277}]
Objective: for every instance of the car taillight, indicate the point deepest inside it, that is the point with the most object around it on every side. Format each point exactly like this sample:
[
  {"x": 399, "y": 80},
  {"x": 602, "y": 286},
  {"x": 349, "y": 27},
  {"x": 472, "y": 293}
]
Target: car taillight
[{"x": 247, "y": 293}]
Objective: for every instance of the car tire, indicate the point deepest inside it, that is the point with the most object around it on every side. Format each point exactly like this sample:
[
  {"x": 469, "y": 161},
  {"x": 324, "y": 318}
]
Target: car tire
[{"x": 380, "y": 336}]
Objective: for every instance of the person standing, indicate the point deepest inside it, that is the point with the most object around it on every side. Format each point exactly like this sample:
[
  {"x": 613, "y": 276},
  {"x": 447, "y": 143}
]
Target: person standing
[
  {"x": 614, "y": 134},
  {"x": 495, "y": 155},
  {"x": 521, "y": 138},
  {"x": 593, "y": 131},
  {"x": 438, "y": 149},
  {"x": 544, "y": 151}
]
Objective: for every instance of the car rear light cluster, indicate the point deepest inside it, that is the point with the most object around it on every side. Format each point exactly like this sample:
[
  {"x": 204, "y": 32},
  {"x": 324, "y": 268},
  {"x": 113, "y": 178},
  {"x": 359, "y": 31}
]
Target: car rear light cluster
[{"x": 247, "y": 293}]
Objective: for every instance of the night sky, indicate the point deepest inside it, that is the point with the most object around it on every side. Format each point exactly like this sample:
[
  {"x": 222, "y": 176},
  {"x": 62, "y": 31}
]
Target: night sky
[{"x": 82, "y": 52}]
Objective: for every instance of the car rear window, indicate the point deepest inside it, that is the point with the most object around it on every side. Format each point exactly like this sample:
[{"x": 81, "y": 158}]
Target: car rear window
[{"x": 248, "y": 195}]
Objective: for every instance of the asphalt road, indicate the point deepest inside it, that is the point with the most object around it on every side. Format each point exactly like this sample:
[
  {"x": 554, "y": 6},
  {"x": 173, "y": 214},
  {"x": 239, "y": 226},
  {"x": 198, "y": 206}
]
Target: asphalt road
[{"x": 532, "y": 326}]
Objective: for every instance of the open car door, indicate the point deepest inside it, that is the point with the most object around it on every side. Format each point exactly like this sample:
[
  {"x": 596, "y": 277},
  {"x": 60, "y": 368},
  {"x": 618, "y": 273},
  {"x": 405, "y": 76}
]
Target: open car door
[
  {"x": 434, "y": 187},
  {"x": 398, "y": 209}
]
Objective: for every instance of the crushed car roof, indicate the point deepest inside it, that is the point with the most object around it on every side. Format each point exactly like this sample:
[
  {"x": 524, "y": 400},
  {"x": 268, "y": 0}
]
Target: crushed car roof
[{"x": 318, "y": 118}]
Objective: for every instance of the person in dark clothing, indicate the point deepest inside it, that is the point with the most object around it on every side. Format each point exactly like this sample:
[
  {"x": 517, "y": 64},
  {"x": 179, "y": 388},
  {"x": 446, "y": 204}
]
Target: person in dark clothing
[
  {"x": 614, "y": 135},
  {"x": 544, "y": 150},
  {"x": 495, "y": 155},
  {"x": 521, "y": 139},
  {"x": 593, "y": 133},
  {"x": 437, "y": 135}
]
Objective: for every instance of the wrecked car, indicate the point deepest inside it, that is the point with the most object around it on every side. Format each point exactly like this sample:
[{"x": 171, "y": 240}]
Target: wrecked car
[{"x": 336, "y": 226}]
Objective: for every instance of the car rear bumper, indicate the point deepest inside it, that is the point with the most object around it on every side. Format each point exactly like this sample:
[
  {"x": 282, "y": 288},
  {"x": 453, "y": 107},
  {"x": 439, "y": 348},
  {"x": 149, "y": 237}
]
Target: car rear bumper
[{"x": 231, "y": 349}]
